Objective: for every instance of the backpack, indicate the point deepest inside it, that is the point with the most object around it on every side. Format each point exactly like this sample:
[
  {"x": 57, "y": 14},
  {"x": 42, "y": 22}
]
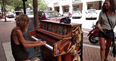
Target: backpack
[{"x": 66, "y": 20}]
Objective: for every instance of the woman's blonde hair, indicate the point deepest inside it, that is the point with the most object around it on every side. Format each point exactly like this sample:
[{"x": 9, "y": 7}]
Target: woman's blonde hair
[{"x": 21, "y": 22}]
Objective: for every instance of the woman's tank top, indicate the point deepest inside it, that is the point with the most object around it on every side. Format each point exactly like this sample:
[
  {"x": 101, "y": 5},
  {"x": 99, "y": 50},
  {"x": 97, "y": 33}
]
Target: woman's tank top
[{"x": 18, "y": 51}]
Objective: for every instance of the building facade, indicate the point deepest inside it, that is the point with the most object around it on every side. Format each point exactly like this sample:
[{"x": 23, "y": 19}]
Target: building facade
[{"x": 73, "y": 5}]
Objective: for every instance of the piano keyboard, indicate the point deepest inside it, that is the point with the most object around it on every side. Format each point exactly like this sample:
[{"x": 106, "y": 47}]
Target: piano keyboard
[{"x": 45, "y": 44}]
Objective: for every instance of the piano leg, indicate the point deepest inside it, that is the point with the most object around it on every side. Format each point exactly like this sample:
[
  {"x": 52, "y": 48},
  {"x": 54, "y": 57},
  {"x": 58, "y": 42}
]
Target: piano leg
[
  {"x": 67, "y": 57},
  {"x": 59, "y": 58}
]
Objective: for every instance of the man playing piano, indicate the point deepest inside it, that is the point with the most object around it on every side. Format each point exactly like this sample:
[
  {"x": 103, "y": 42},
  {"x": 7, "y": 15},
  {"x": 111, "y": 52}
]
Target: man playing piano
[{"x": 18, "y": 43}]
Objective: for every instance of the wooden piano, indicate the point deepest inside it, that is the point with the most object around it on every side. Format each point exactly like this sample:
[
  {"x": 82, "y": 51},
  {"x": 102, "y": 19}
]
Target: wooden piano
[{"x": 63, "y": 40}]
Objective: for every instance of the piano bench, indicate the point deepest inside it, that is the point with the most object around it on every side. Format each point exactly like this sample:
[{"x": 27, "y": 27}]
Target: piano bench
[{"x": 35, "y": 59}]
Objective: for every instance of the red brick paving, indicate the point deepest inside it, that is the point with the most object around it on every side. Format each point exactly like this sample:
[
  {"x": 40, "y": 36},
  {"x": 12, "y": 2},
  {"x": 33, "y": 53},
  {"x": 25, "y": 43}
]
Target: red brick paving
[
  {"x": 5, "y": 29},
  {"x": 2, "y": 53}
]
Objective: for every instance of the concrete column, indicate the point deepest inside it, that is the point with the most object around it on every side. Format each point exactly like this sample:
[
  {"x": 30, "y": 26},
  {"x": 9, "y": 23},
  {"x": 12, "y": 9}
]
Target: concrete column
[
  {"x": 61, "y": 10},
  {"x": 70, "y": 6},
  {"x": 52, "y": 6},
  {"x": 84, "y": 6},
  {"x": 84, "y": 9}
]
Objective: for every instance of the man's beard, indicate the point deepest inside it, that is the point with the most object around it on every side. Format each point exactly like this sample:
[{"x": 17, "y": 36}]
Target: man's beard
[{"x": 25, "y": 30}]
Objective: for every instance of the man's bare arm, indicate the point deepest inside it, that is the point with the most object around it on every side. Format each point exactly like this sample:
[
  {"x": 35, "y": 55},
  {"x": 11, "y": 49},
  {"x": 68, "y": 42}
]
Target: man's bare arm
[{"x": 28, "y": 44}]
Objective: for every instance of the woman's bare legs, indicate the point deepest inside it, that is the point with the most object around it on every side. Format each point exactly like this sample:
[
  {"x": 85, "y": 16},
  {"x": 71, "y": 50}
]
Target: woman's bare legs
[
  {"x": 102, "y": 48},
  {"x": 108, "y": 43}
]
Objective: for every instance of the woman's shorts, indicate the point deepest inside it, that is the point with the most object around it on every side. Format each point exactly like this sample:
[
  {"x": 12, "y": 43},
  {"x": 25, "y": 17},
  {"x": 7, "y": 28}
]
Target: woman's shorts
[{"x": 108, "y": 34}]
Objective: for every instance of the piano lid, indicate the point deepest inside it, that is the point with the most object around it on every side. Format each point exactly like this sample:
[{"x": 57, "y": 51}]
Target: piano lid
[{"x": 58, "y": 22}]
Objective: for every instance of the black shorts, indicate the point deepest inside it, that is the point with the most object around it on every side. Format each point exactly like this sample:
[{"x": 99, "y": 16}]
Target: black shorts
[{"x": 108, "y": 34}]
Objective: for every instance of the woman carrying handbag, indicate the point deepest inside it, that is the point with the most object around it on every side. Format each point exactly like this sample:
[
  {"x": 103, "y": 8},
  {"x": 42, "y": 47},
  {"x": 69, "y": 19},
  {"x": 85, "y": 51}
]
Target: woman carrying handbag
[{"x": 108, "y": 16}]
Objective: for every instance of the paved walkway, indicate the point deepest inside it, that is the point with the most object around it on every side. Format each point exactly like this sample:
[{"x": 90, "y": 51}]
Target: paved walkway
[
  {"x": 5, "y": 29},
  {"x": 89, "y": 53}
]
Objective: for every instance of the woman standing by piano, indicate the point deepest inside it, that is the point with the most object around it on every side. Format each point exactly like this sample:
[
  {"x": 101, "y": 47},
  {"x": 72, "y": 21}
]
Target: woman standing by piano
[{"x": 18, "y": 43}]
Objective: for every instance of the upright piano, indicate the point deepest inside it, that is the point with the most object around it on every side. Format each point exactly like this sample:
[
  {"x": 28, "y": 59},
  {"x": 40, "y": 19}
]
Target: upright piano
[{"x": 63, "y": 40}]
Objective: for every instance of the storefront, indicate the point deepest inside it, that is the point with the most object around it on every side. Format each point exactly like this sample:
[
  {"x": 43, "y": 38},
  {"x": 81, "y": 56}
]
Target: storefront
[
  {"x": 65, "y": 8},
  {"x": 56, "y": 6},
  {"x": 77, "y": 6},
  {"x": 94, "y": 5},
  {"x": 74, "y": 5}
]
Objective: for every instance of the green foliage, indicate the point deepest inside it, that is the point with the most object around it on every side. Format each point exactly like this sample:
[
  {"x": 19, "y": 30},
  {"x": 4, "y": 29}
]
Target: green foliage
[
  {"x": 42, "y": 5},
  {"x": 29, "y": 4},
  {"x": 18, "y": 4},
  {"x": 6, "y": 2}
]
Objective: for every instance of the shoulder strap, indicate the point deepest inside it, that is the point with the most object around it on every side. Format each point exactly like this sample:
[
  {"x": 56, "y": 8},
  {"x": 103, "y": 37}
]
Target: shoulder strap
[
  {"x": 108, "y": 20},
  {"x": 13, "y": 31}
]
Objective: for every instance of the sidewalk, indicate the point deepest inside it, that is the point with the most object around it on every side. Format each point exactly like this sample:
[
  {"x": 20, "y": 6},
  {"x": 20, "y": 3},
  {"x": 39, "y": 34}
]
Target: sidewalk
[
  {"x": 89, "y": 53},
  {"x": 5, "y": 29}
]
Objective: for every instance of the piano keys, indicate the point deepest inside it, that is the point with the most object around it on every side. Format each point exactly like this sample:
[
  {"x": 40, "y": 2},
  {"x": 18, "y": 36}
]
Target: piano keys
[
  {"x": 61, "y": 38},
  {"x": 40, "y": 41}
]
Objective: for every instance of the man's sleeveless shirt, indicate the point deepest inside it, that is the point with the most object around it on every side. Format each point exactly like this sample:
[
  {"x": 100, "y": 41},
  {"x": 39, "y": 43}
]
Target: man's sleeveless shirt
[{"x": 18, "y": 51}]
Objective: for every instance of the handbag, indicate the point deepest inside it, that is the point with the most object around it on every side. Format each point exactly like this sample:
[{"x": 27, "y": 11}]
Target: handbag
[{"x": 113, "y": 40}]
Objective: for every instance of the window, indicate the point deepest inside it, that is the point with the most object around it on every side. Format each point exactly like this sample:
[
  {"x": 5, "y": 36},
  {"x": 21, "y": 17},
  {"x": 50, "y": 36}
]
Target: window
[
  {"x": 90, "y": 6},
  {"x": 75, "y": 8},
  {"x": 40, "y": 14},
  {"x": 52, "y": 14}
]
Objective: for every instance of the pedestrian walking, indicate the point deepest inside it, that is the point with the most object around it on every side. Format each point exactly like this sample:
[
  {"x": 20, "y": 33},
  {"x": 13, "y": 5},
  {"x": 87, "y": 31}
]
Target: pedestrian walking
[
  {"x": 18, "y": 43},
  {"x": 108, "y": 17}
]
